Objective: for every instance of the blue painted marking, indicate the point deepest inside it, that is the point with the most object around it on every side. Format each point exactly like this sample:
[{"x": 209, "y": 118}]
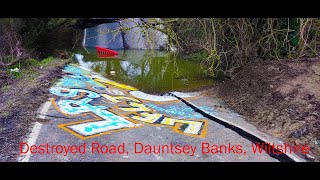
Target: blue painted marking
[
  {"x": 94, "y": 126},
  {"x": 83, "y": 106},
  {"x": 177, "y": 110},
  {"x": 75, "y": 70},
  {"x": 78, "y": 79},
  {"x": 72, "y": 92},
  {"x": 210, "y": 110},
  {"x": 69, "y": 81}
]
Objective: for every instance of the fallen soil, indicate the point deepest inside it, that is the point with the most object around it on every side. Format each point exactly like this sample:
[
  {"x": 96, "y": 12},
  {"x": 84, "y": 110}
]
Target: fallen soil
[
  {"x": 19, "y": 102},
  {"x": 279, "y": 98}
]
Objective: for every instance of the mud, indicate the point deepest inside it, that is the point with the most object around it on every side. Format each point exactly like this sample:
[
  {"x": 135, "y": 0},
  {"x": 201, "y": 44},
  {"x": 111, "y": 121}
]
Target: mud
[
  {"x": 19, "y": 104},
  {"x": 280, "y": 98}
]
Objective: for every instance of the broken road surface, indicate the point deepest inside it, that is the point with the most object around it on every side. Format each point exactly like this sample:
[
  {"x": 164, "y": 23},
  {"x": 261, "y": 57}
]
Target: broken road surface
[{"x": 92, "y": 118}]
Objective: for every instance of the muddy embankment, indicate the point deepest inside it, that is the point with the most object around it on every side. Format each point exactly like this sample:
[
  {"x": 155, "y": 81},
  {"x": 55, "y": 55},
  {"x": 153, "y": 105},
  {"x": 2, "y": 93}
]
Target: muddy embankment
[{"x": 280, "y": 98}]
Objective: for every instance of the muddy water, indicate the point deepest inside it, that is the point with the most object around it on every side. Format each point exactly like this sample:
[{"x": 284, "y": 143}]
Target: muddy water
[{"x": 149, "y": 71}]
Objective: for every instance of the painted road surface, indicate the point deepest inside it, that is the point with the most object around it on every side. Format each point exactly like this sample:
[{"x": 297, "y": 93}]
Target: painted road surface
[{"x": 91, "y": 118}]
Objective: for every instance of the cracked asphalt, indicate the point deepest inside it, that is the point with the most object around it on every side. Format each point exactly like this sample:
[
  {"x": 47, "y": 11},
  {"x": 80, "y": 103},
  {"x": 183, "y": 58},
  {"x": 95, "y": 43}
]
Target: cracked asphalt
[{"x": 92, "y": 119}]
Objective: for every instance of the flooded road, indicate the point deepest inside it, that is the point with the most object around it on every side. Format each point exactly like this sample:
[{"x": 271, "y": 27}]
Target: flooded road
[{"x": 151, "y": 71}]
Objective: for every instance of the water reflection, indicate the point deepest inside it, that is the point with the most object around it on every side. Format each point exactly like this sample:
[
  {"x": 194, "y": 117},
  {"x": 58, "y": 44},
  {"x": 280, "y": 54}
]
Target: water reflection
[{"x": 150, "y": 71}]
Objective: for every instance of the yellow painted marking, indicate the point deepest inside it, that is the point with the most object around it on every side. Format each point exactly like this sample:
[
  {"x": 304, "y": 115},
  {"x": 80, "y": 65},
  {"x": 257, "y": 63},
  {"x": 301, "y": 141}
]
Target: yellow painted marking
[
  {"x": 113, "y": 83},
  {"x": 115, "y": 99},
  {"x": 96, "y": 118},
  {"x": 136, "y": 107},
  {"x": 168, "y": 121},
  {"x": 193, "y": 126},
  {"x": 103, "y": 85},
  {"x": 147, "y": 117}
]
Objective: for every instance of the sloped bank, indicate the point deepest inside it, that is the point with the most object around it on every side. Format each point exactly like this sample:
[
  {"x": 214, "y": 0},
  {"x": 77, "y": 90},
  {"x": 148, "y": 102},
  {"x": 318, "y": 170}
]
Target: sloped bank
[
  {"x": 20, "y": 99},
  {"x": 280, "y": 98}
]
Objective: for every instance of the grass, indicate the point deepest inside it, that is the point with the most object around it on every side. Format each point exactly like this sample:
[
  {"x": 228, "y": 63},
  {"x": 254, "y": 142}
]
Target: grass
[
  {"x": 21, "y": 99},
  {"x": 10, "y": 103},
  {"x": 27, "y": 77},
  {"x": 5, "y": 88},
  {"x": 46, "y": 61},
  {"x": 26, "y": 67},
  {"x": 4, "y": 114}
]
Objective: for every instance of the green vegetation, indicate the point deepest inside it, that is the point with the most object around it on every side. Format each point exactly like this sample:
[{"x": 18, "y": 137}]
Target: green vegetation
[
  {"x": 225, "y": 44},
  {"x": 221, "y": 44},
  {"x": 24, "y": 38},
  {"x": 5, "y": 88},
  {"x": 36, "y": 31},
  {"x": 26, "y": 66},
  {"x": 25, "y": 41}
]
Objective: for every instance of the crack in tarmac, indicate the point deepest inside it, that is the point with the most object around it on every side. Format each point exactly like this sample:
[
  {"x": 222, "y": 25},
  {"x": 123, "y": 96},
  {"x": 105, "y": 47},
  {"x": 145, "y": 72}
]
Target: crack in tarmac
[{"x": 249, "y": 136}]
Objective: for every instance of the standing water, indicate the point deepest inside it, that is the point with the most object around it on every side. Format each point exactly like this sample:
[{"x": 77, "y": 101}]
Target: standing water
[{"x": 149, "y": 71}]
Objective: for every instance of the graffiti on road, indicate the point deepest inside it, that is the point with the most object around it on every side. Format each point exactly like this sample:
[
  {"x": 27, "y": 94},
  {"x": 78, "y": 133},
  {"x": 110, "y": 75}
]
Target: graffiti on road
[
  {"x": 184, "y": 111},
  {"x": 114, "y": 107}
]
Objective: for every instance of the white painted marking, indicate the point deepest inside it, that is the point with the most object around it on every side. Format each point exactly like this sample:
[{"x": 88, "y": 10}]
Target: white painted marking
[
  {"x": 184, "y": 95},
  {"x": 86, "y": 69},
  {"x": 31, "y": 141},
  {"x": 91, "y": 128},
  {"x": 150, "y": 97},
  {"x": 43, "y": 111},
  {"x": 99, "y": 77}
]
